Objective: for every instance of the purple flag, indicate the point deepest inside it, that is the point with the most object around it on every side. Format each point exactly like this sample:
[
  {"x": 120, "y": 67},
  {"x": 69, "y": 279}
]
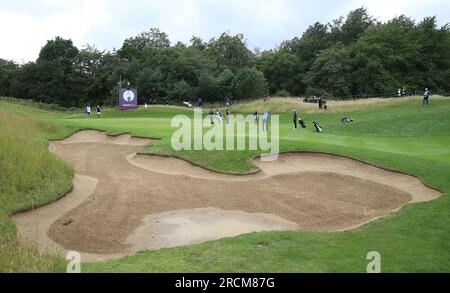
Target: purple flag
[{"x": 128, "y": 99}]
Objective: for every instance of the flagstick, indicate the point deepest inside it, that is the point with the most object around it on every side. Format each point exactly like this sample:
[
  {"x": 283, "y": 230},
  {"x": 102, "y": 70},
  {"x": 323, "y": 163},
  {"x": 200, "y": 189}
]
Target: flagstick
[{"x": 145, "y": 110}]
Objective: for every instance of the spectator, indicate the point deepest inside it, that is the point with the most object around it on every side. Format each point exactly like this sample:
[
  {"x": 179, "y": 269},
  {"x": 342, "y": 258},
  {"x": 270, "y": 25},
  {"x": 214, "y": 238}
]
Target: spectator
[
  {"x": 88, "y": 111},
  {"x": 426, "y": 96},
  {"x": 219, "y": 116},
  {"x": 228, "y": 116},
  {"x": 265, "y": 125},
  {"x": 256, "y": 117},
  {"x": 211, "y": 117},
  {"x": 295, "y": 119}
]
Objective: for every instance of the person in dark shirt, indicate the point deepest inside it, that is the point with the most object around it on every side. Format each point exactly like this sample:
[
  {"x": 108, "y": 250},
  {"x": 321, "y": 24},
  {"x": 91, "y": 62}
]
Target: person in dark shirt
[
  {"x": 99, "y": 111},
  {"x": 426, "y": 96},
  {"x": 256, "y": 117},
  {"x": 295, "y": 119},
  {"x": 211, "y": 117}
]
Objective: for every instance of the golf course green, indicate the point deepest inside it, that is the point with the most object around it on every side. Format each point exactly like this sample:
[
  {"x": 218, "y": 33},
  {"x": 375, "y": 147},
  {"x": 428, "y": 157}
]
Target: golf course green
[{"x": 402, "y": 136}]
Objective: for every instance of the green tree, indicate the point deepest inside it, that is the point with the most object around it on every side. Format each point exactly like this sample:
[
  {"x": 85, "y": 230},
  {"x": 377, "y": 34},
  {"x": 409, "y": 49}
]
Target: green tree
[
  {"x": 153, "y": 40},
  {"x": 331, "y": 72},
  {"x": 8, "y": 72},
  {"x": 188, "y": 66},
  {"x": 282, "y": 70},
  {"x": 226, "y": 81},
  {"x": 357, "y": 22},
  {"x": 433, "y": 60},
  {"x": 181, "y": 91},
  {"x": 151, "y": 83},
  {"x": 53, "y": 78},
  {"x": 59, "y": 50},
  {"x": 230, "y": 52},
  {"x": 250, "y": 84},
  {"x": 369, "y": 77},
  {"x": 208, "y": 88},
  {"x": 394, "y": 45}
]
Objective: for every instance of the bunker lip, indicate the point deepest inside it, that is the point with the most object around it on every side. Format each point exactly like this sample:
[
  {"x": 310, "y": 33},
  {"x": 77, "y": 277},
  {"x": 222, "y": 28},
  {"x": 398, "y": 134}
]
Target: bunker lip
[{"x": 120, "y": 198}]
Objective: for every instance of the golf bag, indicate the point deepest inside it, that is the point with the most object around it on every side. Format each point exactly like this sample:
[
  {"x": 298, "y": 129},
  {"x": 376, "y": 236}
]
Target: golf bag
[
  {"x": 346, "y": 120},
  {"x": 317, "y": 126},
  {"x": 302, "y": 123}
]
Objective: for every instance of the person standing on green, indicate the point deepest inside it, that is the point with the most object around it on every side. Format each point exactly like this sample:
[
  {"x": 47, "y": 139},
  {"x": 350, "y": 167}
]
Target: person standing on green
[
  {"x": 265, "y": 124},
  {"x": 228, "y": 116},
  {"x": 256, "y": 117},
  {"x": 211, "y": 117},
  {"x": 426, "y": 96},
  {"x": 99, "y": 111},
  {"x": 295, "y": 119}
]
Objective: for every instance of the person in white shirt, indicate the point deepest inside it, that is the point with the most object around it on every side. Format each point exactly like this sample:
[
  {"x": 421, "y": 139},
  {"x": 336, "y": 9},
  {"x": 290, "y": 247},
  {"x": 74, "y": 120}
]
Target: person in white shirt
[
  {"x": 88, "y": 111},
  {"x": 265, "y": 124},
  {"x": 219, "y": 116}
]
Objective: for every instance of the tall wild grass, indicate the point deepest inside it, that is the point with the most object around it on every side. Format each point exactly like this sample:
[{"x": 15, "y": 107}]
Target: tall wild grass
[{"x": 29, "y": 176}]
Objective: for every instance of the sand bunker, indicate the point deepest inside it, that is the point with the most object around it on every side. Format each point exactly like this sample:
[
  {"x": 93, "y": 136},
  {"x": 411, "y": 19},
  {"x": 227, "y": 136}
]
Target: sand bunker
[{"x": 123, "y": 203}]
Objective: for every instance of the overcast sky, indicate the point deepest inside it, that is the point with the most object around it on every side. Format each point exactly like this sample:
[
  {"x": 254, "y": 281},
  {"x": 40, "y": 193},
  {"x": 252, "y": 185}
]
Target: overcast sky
[{"x": 25, "y": 25}]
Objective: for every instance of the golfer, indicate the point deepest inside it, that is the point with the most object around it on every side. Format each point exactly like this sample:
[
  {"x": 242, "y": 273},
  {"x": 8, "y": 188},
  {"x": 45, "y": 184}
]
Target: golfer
[
  {"x": 265, "y": 125},
  {"x": 295, "y": 119},
  {"x": 219, "y": 116},
  {"x": 99, "y": 111},
  {"x": 211, "y": 117},
  {"x": 88, "y": 111},
  {"x": 256, "y": 117},
  {"x": 426, "y": 96},
  {"x": 228, "y": 116}
]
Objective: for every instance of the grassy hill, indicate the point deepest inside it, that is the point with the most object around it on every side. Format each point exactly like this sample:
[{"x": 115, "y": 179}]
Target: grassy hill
[{"x": 29, "y": 176}]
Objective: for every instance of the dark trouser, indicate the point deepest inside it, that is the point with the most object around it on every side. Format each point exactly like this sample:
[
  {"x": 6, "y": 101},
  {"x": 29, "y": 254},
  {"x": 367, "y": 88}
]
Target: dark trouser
[
  {"x": 425, "y": 101},
  {"x": 295, "y": 123}
]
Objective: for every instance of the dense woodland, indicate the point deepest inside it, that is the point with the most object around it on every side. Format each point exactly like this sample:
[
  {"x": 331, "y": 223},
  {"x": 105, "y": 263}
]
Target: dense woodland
[{"x": 350, "y": 56}]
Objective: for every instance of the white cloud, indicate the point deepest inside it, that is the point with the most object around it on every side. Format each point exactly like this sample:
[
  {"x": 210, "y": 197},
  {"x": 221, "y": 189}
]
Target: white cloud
[{"x": 25, "y": 25}]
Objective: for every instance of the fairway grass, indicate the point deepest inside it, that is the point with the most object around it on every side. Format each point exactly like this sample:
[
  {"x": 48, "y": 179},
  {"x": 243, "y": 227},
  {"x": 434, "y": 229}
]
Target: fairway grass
[{"x": 401, "y": 136}]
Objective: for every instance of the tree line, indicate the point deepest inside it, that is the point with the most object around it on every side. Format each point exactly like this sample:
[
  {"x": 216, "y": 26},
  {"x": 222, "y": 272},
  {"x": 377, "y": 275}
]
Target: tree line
[{"x": 354, "y": 55}]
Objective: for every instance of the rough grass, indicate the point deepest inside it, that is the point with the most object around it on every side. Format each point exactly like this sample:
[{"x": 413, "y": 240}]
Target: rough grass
[
  {"x": 29, "y": 176},
  {"x": 285, "y": 105}
]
